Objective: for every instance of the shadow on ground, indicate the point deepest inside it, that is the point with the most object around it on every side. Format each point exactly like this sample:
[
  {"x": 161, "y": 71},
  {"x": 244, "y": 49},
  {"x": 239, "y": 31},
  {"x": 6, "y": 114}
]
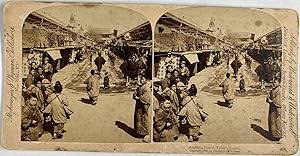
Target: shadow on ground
[
  {"x": 118, "y": 88},
  {"x": 221, "y": 103},
  {"x": 127, "y": 129},
  {"x": 263, "y": 132},
  {"x": 86, "y": 101}
]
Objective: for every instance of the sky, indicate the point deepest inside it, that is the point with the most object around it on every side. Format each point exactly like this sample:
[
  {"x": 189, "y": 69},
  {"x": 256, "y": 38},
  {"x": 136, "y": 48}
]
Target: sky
[
  {"x": 97, "y": 16},
  {"x": 230, "y": 19}
]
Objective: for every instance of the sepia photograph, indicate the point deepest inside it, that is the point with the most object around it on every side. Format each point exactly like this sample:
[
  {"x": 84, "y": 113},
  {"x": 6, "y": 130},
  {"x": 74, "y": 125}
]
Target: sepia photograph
[
  {"x": 150, "y": 78},
  {"x": 86, "y": 75},
  {"x": 217, "y": 75}
]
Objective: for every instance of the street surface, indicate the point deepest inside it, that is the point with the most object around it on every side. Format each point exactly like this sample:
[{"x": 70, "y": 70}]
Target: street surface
[
  {"x": 110, "y": 121},
  {"x": 246, "y": 121}
]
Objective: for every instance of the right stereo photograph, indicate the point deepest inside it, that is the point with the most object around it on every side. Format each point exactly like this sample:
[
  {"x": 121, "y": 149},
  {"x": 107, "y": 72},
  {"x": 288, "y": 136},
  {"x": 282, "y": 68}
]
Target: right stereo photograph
[{"x": 217, "y": 76}]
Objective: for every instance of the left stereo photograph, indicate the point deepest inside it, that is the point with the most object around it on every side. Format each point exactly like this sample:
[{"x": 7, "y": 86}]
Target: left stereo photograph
[{"x": 86, "y": 75}]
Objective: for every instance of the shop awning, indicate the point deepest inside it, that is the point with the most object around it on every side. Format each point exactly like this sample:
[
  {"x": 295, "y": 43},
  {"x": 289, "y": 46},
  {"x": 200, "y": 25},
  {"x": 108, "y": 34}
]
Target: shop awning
[
  {"x": 192, "y": 58},
  {"x": 55, "y": 54}
]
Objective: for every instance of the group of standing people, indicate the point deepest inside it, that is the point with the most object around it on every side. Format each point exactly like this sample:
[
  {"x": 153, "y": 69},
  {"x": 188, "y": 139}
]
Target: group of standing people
[
  {"x": 44, "y": 107},
  {"x": 177, "y": 109},
  {"x": 134, "y": 68}
]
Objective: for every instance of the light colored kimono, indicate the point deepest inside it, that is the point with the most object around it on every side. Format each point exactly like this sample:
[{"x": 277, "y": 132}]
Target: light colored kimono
[
  {"x": 93, "y": 87},
  {"x": 275, "y": 121},
  {"x": 56, "y": 107},
  {"x": 227, "y": 89}
]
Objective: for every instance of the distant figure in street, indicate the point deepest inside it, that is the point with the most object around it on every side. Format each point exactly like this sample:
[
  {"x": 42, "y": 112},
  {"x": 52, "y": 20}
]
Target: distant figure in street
[
  {"x": 228, "y": 90},
  {"x": 93, "y": 88},
  {"x": 99, "y": 61},
  {"x": 143, "y": 97},
  {"x": 242, "y": 84},
  {"x": 165, "y": 122},
  {"x": 248, "y": 61},
  {"x": 58, "y": 110},
  {"x": 274, "y": 120},
  {"x": 48, "y": 69},
  {"x": 106, "y": 81},
  {"x": 30, "y": 120},
  {"x": 235, "y": 65},
  {"x": 184, "y": 73}
]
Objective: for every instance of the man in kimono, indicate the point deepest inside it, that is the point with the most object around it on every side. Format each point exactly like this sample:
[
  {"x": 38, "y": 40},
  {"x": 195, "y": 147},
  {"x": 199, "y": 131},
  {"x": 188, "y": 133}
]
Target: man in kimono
[
  {"x": 184, "y": 73},
  {"x": 172, "y": 94},
  {"x": 36, "y": 88},
  {"x": 165, "y": 122},
  {"x": 193, "y": 111},
  {"x": 235, "y": 65},
  {"x": 39, "y": 74},
  {"x": 175, "y": 78},
  {"x": 274, "y": 120},
  {"x": 48, "y": 69},
  {"x": 228, "y": 90},
  {"x": 166, "y": 81},
  {"x": 30, "y": 78},
  {"x": 57, "y": 109},
  {"x": 93, "y": 87},
  {"x": 99, "y": 61},
  {"x": 143, "y": 97},
  {"x": 30, "y": 120}
]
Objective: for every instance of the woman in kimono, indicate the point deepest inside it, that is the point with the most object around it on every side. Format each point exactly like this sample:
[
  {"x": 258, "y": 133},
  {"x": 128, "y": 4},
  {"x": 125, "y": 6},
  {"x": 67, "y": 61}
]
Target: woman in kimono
[
  {"x": 193, "y": 111},
  {"x": 57, "y": 109},
  {"x": 93, "y": 88},
  {"x": 142, "y": 95},
  {"x": 165, "y": 123},
  {"x": 274, "y": 120},
  {"x": 228, "y": 90}
]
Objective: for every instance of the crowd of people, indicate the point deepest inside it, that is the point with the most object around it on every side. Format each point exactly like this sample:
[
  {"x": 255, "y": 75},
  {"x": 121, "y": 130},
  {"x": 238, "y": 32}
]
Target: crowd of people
[
  {"x": 177, "y": 109},
  {"x": 44, "y": 107}
]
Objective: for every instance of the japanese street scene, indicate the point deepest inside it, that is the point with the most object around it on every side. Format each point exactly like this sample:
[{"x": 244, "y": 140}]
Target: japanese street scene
[
  {"x": 217, "y": 74},
  {"x": 86, "y": 75}
]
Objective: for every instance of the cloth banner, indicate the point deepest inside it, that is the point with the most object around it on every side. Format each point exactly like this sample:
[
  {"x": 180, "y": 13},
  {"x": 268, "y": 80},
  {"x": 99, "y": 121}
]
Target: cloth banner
[
  {"x": 192, "y": 58},
  {"x": 55, "y": 54}
]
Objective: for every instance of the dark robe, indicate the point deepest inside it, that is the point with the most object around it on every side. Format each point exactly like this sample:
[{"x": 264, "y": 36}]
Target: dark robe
[
  {"x": 143, "y": 97},
  {"x": 163, "y": 132},
  {"x": 99, "y": 61},
  {"x": 235, "y": 65},
  {"x": 165, "y": 83},
  {"x": 30, "y": 131},
  {"x": 29, "y": 80},
  {"x": 275, "y": 121}
]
